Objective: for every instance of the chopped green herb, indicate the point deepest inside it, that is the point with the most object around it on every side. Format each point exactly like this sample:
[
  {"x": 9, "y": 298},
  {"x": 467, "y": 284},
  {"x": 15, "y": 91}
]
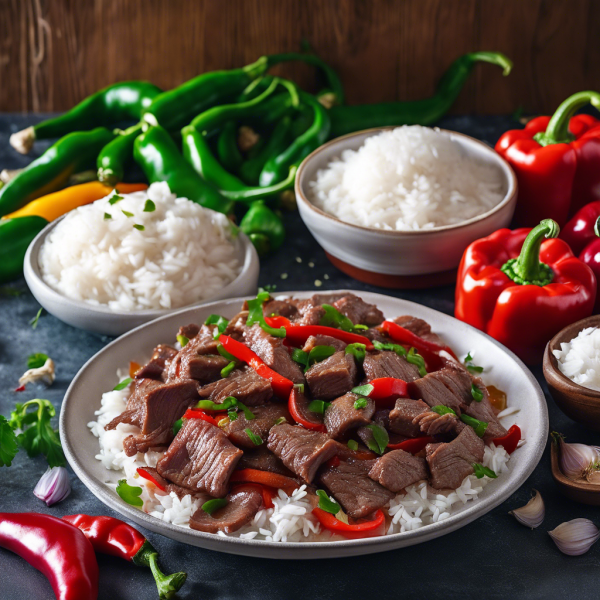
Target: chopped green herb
[
  {"x": 226, "y": 370},
  {"x": 114, "y": 199},
  {"x": 127, "y": 213},
  {"x": 139, "y": 227},
  {"x": 182, "y": 340},
  {"x": 327, "y": 504},
  {"x": 481, "y": 471},
  {"x": 35, "y": 361},
  {"x": 353, "y": 445},
  {"x": 334, "y": 318},
  {"x": 247, "y": 412},
  {"x": 107, "y": 216},
  {"x": 318, "y": 406},
  {"x": 149, "y": 206},
  {"x": 299, "y": 387},
  {"x": 363, "y": 390},
  {"x": 232, "y": 414},
  {"x": 472, "y": 368},
  {"x": 34, "y": 321},
  {"x": 229, "y": 402},
  {"x": 221, "y": 350},
  {"x": 479, "y": 426},
  {"x": 8, "y": 443},
  {"x": 255, "y": 315},
  {"x": 280, "y": 420},
  {"x": 380, "y": 438},
  {"x": 361, "y": 402},
  {"x": 131, "y": 494},
  {"x": 255, "y": 439},
  {"x": 416, "y": 359},
  {"x": 122, "y": 384},
  {"x": 440, "y": 409},
  {"x": 220, "y": 322},
  {"x": 476, "y": 393},
  {"x": 359, "y": 351},
  {"x": 397, "y": 348},
  {"x": 213, "y": 505},
  {"x": 177, "y": 426}
]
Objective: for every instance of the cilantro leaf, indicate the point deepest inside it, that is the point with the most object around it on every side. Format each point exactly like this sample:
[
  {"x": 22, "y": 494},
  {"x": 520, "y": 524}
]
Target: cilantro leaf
[
  {"x": 481, "y": 471},
  {"x": 327, "y": 504},
  {"x": 8, "y": 443},
  {"x": 35, "y": 361},
  {"x": 149, "y": 206},
  {"x": 131, "y": 494},
  {"x": 380, "y": 438},
  {"x": 122, "y": 384}
]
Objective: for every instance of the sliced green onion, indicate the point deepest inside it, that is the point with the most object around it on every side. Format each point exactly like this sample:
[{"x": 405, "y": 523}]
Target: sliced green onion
[
  {"x": 476, "y": 393},
  {"x": 279, "y": 421},
  {"x": 232, "y": 414},
  {"x": 182, "y": 340},
  {"x": 255, "y": 315},
  {"x": 479, "y": 426},
  {"x": 472, "y": 368},
  {"x": 358, "y": 350},
  {"x": 107, "y": 216},
  {"x": 318, "y": 406},
  {"x": 35, "y": 361},
  {"x": 380, "y": 439},
  {"x": 416, "y": 359},
  {"x": 34, "y": 321},
  {"x": 363, "y": 390},
  {"x": 177, "y": 426},
  {"x": 220, "y": 322},
  {"x": 353, "y": 445},
  {"x": 440, "y": 409},
  {"x": 326, "y": 504},
  {"x": 247, "y": 412},
  {"x": 221, "y": 350},
  {"x": 127, "y": 213},
  {"x": 122, "y": 384},
  {"x": 213, "y": 505},
  {"x": 397, "y": 348},
  {"x": 114, "y": 199},
  {"x": 361, "y": 402},
  {"x": 255, "y": 439},
  {"x": 149, "y": 206},
  {"x": 481, "y": 471},
  {"x": 334, "y": 318},
  {"x": 226, "y": 370},
  {"x": 131, "y": 494},
  {"x": 139, "y": 227},
  {"x": 299, "y": 387}
]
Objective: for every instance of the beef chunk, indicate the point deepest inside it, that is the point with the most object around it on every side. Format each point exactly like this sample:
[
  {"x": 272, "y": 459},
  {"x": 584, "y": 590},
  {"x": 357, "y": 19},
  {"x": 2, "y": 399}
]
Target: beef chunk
[
  {"x": 154, "y": 368},
  {"x": 375, "y": 335},
  {"x": 431, "y": 423},
  {"x": 272, "y": 351},
  {"x": 459, "y": 382},
  {"x": 484, "y": 412},
  {"x": 333, "y": 376},
  {"x": 341, "y": 416},
  {"x": 242, "y": 504},
  {"x": 262, "y": 459},
  {"x": 397, "y": 469},
  {"x": 382, "y": 418},
  {"x": 419, "y": 327},
  {"x": 359, "y": 311},
  {"x": 237, "y": 326},
  {"x": 264, "y": 418},
  {"x": 282, "y": 308},
  {"x": 311, "y": 315},
  {"x": 200, "y": 458},
  {"x": 434, "y": 392},
  {"x": 301, "y": 403},
  {"x": 402, "y": 416},
  {"x": 169, "y": 487},
  {"x": 205, "y": 368},
  {"x": 154, "y": 407},
  {"x": 351, "y": 486},
  {"x": 323, "y": 340},
  {"x": 389, "y": 364},
  {"x": 244, "y": 384},
  {"x": 320, "y": 299},
  {"x": 450, "y": 463},
  {"x": 189, "y": 331},
  {"x": 302, "y": 451}
]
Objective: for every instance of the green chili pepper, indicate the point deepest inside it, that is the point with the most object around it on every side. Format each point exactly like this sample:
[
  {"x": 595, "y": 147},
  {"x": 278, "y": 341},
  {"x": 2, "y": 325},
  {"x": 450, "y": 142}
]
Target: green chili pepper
[
  {"x": 277, "y": 167},
  {"x": 159, "y": 158},
  {"x": 346, "y": 119},
  {"x": 15, "y": 237},
  {"x": 227, "y": 148},
  {"x": 114, "y": 156},
  {"x": 198, "y": 154},
  {"x": 50, "y": 172},
  {"x": 264, "y": 228}
]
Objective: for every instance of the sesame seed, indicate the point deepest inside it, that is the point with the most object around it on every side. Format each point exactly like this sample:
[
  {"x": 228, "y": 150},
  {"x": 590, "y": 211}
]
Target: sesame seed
[
  {"x": 298, "y": 259},
  {"x": 311, "y": 264},
  {"x": 325, "y": 276},
  {"x": 284, "y": 276},
  {"x": 318, "y": 283}
]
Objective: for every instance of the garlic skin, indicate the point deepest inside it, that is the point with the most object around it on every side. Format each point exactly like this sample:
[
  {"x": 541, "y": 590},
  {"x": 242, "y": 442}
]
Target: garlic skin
[
  {"x": 575, "y": 460},
  {"x": 575, "y": 537},
  {"x": 533, "y": 513},
  {"x": 44, "y": 373},
  {"x": 54, "y": 486}
]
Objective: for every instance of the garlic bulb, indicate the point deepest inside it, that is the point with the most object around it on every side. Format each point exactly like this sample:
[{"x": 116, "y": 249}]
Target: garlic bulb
[
  {"x": 576, "y": 461},
  {"x": 575, "y": 537},
  {"x": 533, "y": 513}
]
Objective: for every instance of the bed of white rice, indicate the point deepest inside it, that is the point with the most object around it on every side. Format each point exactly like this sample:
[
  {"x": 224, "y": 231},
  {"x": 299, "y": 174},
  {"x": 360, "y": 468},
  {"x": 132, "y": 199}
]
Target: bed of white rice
[
  {"x": 184, "y": 253},
  {"x": 291, "y": 519},
  {"x": 408, "y": 178},
  {"x": 579, "y": 359}
]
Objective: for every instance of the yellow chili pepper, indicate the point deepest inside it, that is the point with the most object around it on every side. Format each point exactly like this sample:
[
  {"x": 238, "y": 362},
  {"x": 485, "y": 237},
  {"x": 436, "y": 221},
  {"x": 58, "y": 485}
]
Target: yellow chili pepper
[{"x": 55, "y": 205}]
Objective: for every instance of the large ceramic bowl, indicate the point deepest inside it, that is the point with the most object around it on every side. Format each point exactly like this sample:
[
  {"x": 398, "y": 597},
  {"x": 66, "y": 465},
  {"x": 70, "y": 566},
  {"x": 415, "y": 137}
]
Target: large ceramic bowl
[
  {"x": 101, "y": 319},
  {"x": 503, "y": 369},
  {"x": 399, "y": 258}
]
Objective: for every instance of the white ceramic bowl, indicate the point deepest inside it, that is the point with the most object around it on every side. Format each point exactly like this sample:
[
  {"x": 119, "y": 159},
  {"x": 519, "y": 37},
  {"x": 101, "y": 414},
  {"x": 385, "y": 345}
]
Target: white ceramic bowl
[
  {"x": 389, "y": 258},
  {"x": 100, "y": 319}
]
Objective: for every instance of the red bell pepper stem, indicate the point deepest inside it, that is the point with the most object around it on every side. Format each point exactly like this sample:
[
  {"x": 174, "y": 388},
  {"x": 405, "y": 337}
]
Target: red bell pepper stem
[
  {"x": 57, "y": 549},
  {"x": 296, "y": 335},
  {"x": 274, "y": 480},
  {"x": 281, "y": 385},
  {"x": 510, "y": 440},
  {"x": 404, "y": 336},
  {"x": 195, "y": 413},
  {"x": 412, "y": 446},
  {"x": 387, "y": 389},
  {"x": 143, "y": 473},
  {"x": 299, "y": 419},
  {"x": 115, "y": 537},
  {"x": 372, "y": 528}
]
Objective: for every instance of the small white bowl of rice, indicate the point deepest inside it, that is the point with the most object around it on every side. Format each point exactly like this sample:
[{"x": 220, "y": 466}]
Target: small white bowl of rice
[
  {"x": 126, "y": 259},
  {"x": 397, "y": 207}
]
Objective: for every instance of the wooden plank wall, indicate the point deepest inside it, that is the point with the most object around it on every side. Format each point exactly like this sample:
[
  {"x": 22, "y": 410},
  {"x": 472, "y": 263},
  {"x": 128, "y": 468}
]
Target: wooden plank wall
[{"x": 53, "y": 53}]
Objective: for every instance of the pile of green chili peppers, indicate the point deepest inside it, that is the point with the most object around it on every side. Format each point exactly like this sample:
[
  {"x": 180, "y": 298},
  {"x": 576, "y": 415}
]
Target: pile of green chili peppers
[{"x": 229, "y": 140}]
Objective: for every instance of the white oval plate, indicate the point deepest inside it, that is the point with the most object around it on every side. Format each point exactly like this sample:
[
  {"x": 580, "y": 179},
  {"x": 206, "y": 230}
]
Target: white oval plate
[{"x": 503, "y": 369}]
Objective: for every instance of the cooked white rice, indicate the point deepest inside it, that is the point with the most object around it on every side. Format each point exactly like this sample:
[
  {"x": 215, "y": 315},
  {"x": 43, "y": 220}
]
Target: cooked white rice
[
  {"x": 184, "y": 254},
  {"x": 579, "y": 359},
  {"x": 291, "y": 519},
  {"x": 409, "y": 178}
]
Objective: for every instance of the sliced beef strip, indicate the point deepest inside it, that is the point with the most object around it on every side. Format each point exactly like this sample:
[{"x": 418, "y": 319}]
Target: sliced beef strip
[
  {"x": 262, "y": 459},
  {"x": 179, "y": 491},
  {"x": 243, "y": 503},
  {"x": 419, "y": 328},
  {"x": 359, "y": 311},
  {"x": 301, "y": 402},
  {"x": 272, "y": 351},
  {"x": 483, "y": 411},
  {"x": 388, "y": 364},
  {"x": 432, "y": 424},
  {"x": 189, "y": 331},
  {"x": 349, "y": 483},
  {"x": 154, "y": 368},
  {"x": 397, "y": 469},
  {"x": 403, "y": 415},
  {"x": 341, "y": 416},
  {"x": 237, "y": 326},
  {"x": 323, "y": 340},
  {"x": 200, "y": 458},
  {"x": 376, "y": 335},
  {"x": 154, "y": 407},
  {"x": 320, "y": 299},
  {"x": 265, "y": 417},
  {"x": 282, "y": 308},
  {"x": 302, "y": 451},
  {"x": 458, "y": 381},
  {"x": 432, "y": 390},
  {"x": 244, "y": 384},
  {"x": 311, "y": 315},
  {"x": 204, "y": 368},
  {"x": 333, "y": 376},
  {"x": 451, "y": 462}
]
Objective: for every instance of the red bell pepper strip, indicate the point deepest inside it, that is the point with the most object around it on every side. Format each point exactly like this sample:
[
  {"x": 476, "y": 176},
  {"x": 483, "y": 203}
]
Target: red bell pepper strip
[
  {"x": 57, "y": 549},
  {"x": 195, "y": 413},
  {"x": 115, "y": 537},
  {"x": 278, "y": 321},
  {"x": 556, "y": 162},
  {"x": 579, "y": 231},
  {"x": 386, "y": 390},
  {"x": 143, "y": 473},
  {"x": 510, "y": 440},
  {"x": 268, "y": 493},
  {"x": 295, "y": 411},
  {"x": 281, "y": 386},
  {"x": 365, "y": 529},
  {"x": 274, "y": 480},
  {"x": 504, "y": 289},
  {"x": 296, "y": 335},
  {"x": 590, "y": 255},
  {"x": 412, "y": 446},
  {"x": 404, "y": 336}
]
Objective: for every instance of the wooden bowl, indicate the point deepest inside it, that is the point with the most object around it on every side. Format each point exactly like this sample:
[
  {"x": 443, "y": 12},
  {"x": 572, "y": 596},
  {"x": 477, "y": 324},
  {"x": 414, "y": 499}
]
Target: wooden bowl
[
  {"x": 577, "y": 402},
  {"x": 587, "y": 493}
]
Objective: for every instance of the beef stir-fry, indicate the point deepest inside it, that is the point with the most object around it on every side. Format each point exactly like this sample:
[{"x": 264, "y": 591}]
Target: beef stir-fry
[{"x": 320, "y": 392}]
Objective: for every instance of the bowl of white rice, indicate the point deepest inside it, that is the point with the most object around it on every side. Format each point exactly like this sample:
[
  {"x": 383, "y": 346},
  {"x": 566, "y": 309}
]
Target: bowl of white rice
[
  {"x": 126, "y": 259},
  {"x": 396, "y": 206}
]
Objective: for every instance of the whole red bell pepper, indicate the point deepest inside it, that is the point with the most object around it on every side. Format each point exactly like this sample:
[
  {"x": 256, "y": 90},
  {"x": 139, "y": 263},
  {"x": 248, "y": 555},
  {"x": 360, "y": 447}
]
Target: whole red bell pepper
[
  {"x": 590, "y": 255},
  {"x": 556, "y": 162},
  {"x": 580, "y": 230},
  {"x": 523, "y": 290}
]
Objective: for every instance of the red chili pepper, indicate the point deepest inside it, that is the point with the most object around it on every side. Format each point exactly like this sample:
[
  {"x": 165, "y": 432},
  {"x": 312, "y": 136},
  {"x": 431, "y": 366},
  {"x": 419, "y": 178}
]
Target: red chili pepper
[
  {"x": 274, "y": 480},
  {"x": 365, "y": 529},
  {"x": 57, "y": 549},
  {"x": 115, "y": 537},
  {"x": 386, "y": 390},
  {"x": 278, "y": 321},
  {"x": 268, "y": 493},
  {"x": 412, "y": 446},
  {"x": 333, "y": 462},
  {"x": 556, "y": 162},
  {"x": 143, "y": 473},
  {"x": 21, "y": 388},
  {"x": 404, "y": 336},
  {"x": 510, "y": 440},
  {"x": 196, "y": 413},
  {"x": 281, "y": 386},
  {"x": 580, "y": 230},
  {"x": 295, "y": 414},
  {"x": 504, "y": 289}
]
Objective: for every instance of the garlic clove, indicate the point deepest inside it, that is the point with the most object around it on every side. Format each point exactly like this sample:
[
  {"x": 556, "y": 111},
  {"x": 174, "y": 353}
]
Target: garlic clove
[
  {"x": 575, "y": 459},
  {"x": 45, "y": 373},
  {"x": 54, "y": 486},
  {"x": 533, "y": 513},
  {"x": 575, "y": 537}
]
